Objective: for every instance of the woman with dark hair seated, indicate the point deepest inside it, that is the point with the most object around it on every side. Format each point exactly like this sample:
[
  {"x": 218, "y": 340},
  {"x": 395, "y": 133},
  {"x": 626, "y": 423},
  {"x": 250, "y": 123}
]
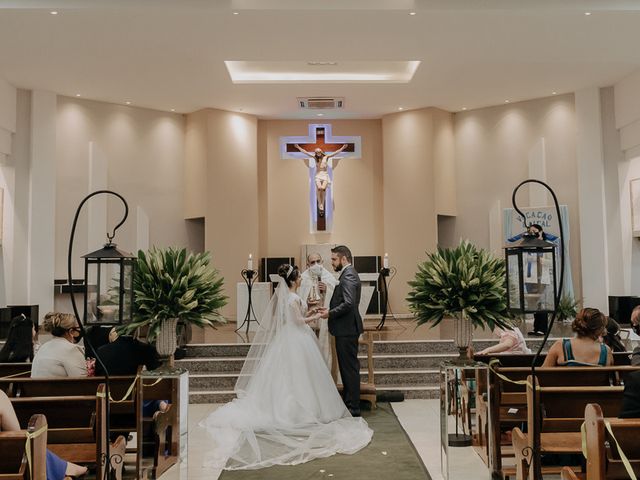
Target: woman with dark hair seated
[
  {"x": 57, "y": 468},
  {"x": 585, "y": 349},
  {"x": 21, "y": 339}
]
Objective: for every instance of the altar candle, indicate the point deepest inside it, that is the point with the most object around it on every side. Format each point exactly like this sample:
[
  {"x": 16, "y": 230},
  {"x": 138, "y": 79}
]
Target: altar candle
[
  {"x": 385, "y": 262},
  {"x": 250, "y": 262}
]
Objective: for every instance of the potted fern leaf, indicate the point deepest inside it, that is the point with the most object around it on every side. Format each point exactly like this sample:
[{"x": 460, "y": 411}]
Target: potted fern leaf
[
  {"x": 170, "y": 285},
  {"x": 466, "y": 283}
]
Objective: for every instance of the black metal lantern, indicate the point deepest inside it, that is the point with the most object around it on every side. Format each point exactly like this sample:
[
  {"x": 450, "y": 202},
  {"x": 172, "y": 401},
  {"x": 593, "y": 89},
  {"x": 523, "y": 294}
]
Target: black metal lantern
[
  {"x": 111, "y": 300},
  {"x": 531, "y": 274}
]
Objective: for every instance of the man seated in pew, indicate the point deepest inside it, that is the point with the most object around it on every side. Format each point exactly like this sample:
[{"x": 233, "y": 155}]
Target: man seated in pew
[
  {"x": 635, "y": 325},
  {"x": 612, "y": 336},
  {"x": 123, "y": 355},
  {"x": 631, "y": 397},
  {"x": 585, "y": 349},
  {"x": 60, "y": 356},
  {"x": 21, "y": 341},
  {"x": 511, "y": 341},
  {"x": 57, "y": 468}
]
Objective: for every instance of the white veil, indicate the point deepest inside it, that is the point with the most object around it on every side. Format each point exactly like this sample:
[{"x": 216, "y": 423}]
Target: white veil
[
  {"x": 273, "y": 319},
  {"x": 288, "y": 410}
]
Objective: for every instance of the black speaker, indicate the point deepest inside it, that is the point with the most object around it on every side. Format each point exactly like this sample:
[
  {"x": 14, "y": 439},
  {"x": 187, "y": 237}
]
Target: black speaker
[
  {"x": 269, "y": 265},
  {"x": 620, "y": 307}
]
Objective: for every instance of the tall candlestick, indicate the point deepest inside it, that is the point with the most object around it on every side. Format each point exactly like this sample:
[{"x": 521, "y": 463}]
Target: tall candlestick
[
  {"x": 250, "y": 262},
  {"x": 385, "y": 262}
]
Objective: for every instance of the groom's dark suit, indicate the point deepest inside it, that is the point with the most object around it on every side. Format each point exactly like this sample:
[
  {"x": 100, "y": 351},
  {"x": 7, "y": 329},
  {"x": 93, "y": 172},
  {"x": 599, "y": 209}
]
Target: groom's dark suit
[{"x": 345, "y": 324}]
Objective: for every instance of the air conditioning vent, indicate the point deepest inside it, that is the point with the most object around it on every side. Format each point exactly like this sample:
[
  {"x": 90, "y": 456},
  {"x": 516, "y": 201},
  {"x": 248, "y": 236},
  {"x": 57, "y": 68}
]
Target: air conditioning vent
[{"x": 320, "y": 103}]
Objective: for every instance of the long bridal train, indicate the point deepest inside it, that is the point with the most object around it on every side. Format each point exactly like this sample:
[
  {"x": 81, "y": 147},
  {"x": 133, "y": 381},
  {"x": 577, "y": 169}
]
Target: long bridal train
[{"x": 288, "y": 410}]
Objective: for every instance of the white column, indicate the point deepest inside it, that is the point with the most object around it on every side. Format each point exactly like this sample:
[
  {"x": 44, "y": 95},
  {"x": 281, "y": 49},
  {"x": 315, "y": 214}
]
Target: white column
[
  {"x": 591, "y": 195},
  {"x": 42, "y": 190}
]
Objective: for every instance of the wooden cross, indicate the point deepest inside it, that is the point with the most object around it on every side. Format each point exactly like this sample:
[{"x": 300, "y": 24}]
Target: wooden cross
[{"x": 320, "y": 137}]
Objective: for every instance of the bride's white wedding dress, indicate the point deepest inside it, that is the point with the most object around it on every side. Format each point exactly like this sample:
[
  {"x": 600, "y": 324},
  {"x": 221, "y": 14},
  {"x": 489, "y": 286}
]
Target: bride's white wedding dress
[{"x": 288, "y": 410}]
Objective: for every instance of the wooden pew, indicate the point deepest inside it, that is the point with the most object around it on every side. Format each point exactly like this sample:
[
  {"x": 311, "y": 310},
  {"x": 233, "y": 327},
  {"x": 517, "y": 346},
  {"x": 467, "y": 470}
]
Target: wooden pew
[
  {"x": 76, "y": 424},
  {"x": 603, "y": 459},
  {"x": 561, "y": 413},
  {"x": 567, "y": 474},
  {"x": 525, "y": 360},
  {"x": 157, "y": 434},
  {"x": 15, "y": 369},
  {"x": 123, "y": 414},
  {"x": 507, "y": 403},
  {"x": 13, "y": 460}
]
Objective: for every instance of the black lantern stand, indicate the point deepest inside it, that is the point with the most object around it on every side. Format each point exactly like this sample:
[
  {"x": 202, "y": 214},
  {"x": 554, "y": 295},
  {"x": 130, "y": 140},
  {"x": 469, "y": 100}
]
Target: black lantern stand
[
  {"x": 103, "y": 261},
  {"x": 519, "y": 301},
  {"x": 385, "y": 273},
  {"x": 249, "y": 277}
]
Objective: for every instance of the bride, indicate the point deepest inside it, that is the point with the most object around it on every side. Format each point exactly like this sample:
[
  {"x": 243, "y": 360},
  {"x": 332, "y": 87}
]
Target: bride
[{"x": 288, "y": 409}]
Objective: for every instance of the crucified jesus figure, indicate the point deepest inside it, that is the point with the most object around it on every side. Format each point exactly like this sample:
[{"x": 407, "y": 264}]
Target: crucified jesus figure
[{"x": 322, "y": 172}]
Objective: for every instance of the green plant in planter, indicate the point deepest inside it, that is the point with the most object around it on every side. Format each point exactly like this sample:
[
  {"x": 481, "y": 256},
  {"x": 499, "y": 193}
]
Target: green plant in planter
[
  {"x": 465, "y": 281},
  {"x": 171, "y": 283},
  {"x": 567, "y": 308}
]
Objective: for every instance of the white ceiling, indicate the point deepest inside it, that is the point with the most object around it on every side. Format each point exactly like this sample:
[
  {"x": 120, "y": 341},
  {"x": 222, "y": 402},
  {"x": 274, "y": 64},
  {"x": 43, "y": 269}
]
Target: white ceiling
[{"x": 166, "y": 54}]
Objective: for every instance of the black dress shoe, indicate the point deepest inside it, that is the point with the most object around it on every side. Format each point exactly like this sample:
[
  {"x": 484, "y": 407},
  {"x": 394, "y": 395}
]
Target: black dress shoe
[
  {"x": 354, "y": 413},
  {"x": 536, "y": 334}
]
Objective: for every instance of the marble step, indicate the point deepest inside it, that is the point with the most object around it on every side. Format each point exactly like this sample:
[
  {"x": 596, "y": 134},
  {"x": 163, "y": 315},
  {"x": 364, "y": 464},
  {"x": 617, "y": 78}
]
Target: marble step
[
  {"x": 380, "y": 347},
  {"x": 408, "y": 378},
  {"x": 224, "y": 396},
  {"x": 380, "y": 362}
]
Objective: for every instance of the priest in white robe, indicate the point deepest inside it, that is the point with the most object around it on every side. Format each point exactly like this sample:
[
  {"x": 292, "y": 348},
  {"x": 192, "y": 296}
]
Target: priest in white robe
[{"x": 316, "y": 289}]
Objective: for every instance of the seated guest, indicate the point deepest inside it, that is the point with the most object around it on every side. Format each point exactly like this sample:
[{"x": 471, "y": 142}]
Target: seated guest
[
  {"x": 95, "y": 337},
  {"x": 60, "y": 356},
  {"x": 125, "y": 354},
  {"x": 511, "y": 341},
  {"x": 20, "y": 341},
  {"x": 57, "y": 469},
  {"x": 631, "y": 397},
  {"x": 635, "y": 325},
  {"x": 585, "y": 348},
  {"x": 612, "y": 336}
]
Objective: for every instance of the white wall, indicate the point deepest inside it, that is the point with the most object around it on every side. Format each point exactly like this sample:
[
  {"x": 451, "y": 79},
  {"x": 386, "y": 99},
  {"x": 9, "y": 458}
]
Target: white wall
[{"x": 627, "y": 121}]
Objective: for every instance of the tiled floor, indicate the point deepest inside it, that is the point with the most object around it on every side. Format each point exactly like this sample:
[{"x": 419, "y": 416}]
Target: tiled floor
[{"x": 420, "y": 419}]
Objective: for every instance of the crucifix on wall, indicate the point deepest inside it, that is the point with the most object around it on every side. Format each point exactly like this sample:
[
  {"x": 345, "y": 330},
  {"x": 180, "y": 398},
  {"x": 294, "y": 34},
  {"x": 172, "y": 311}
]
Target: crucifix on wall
[{"x": 320, "y": 151}]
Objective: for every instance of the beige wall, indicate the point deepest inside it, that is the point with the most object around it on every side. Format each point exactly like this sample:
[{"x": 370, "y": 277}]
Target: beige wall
[
  {"x": 222, "y": 150},
  {"x": 492, "y": 151},
  {"x": 144, "y": 150},
  {"x": 410, "y": 225},
  {"x": 284, "y": 192}
]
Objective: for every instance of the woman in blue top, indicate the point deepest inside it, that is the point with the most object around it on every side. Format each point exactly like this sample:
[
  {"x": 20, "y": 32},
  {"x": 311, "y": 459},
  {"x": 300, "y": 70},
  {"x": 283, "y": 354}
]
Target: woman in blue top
[{"x": 586, "y": 348}]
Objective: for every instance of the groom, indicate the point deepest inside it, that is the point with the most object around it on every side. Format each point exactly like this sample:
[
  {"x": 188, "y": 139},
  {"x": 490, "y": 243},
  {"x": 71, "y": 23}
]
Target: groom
[{"x": 345, "y": 324}]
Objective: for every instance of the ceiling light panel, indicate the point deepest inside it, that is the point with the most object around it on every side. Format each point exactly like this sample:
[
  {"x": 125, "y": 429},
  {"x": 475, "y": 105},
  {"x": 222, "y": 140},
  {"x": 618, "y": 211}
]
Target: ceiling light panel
[{"x": 321, "y": 72}]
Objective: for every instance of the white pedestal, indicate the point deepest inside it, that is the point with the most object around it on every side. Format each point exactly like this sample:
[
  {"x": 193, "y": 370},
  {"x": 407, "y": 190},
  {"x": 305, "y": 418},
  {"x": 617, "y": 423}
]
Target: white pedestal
[{"x": 260, "y": 295}]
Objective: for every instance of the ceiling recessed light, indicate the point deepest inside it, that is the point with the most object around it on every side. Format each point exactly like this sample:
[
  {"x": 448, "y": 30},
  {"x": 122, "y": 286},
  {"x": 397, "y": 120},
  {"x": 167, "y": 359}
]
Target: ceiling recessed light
[
  {"x": 412, "y": 13},
  {"x": 128, "y": 103},
  {"x": 554, "y": 93},
  {"x": 53, "y": 12},
  {"x": 236, "y": 13},
  {"x": 464, "y": 108},
  {"x": 320, "y": 114},
  {"x": 77, "y": 94},
  {"x": 587, "y": 13},
  {"x": 506, "y": 101},
  {"x": 173, "y": 109},
  {"x": 400, "y": 108}
]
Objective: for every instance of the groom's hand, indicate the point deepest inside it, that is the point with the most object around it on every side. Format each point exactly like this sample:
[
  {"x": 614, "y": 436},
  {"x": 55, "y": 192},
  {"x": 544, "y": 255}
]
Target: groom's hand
[{"x": 324, "y": 312}]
